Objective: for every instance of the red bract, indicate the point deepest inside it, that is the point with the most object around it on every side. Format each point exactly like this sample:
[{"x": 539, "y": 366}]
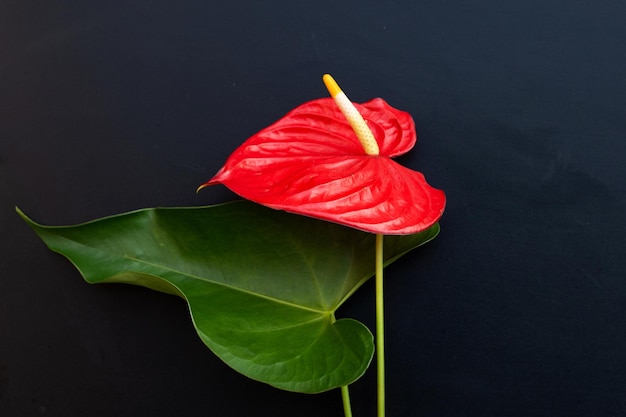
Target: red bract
[{"x": 310, "y": 162}]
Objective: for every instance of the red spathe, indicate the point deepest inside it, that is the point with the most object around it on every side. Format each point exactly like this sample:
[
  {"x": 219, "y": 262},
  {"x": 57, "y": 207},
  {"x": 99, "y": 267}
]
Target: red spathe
[{"x": 310, "y": 162}]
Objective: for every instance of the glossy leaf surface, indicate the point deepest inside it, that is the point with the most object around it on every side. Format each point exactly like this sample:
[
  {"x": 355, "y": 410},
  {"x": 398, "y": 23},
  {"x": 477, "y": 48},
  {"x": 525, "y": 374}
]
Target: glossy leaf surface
[
  {"x": 310, "y": 162},
  {"x": 262, "y": 285}
]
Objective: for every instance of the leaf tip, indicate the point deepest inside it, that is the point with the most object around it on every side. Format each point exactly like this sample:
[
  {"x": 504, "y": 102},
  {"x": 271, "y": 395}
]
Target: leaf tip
[{"x": 23, "y": 215}]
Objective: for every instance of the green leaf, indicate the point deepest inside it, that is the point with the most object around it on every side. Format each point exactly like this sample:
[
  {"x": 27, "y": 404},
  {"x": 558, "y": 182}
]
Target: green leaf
[{"x": 262, "y": 285}]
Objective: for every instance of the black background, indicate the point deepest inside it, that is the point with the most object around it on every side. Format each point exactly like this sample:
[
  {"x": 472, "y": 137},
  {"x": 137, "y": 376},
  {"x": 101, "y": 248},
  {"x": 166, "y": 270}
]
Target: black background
[{"x": 518, "y": 308}]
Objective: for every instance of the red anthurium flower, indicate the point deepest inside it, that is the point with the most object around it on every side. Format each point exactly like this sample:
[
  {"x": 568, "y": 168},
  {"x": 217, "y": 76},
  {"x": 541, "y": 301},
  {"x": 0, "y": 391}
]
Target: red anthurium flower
[{"x": 316, "y": 161}]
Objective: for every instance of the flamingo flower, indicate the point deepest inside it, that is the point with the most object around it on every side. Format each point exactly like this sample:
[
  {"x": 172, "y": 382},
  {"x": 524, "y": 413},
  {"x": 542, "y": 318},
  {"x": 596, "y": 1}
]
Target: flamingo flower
[{"x": 331, "y": 159}]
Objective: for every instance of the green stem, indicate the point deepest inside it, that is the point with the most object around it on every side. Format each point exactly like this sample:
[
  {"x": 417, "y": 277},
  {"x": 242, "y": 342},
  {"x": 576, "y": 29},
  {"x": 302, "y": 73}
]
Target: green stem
[
  {"x": 380, "y": 327},
  {"x": 345, "y": 396}
]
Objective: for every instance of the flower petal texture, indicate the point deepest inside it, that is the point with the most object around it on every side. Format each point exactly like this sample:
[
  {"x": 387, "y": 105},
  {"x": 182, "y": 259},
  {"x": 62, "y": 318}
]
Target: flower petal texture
[{"x": 310, "y": 162}]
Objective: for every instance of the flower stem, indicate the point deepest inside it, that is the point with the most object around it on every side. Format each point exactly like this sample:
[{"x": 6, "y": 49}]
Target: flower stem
[
  {"x": 345, "y": 396},
  {"x": 380, "y": 327}
]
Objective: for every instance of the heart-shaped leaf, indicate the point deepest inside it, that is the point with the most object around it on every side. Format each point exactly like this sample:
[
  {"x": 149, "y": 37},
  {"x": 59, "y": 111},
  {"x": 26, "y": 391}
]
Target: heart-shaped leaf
[
  {"x": 262, "y": 285},
  {"x": 311, "y": 162}
]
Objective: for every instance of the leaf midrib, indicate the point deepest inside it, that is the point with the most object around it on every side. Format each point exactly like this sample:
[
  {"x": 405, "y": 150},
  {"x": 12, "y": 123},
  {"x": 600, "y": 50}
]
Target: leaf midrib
[{"x": 192, "y": 276}]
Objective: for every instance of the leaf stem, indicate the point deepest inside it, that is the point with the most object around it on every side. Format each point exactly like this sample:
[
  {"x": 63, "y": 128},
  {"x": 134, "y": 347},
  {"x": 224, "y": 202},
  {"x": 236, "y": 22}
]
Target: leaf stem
[
  {"x": 345, "y": 396},
  {"x": 380, "y": 327}
]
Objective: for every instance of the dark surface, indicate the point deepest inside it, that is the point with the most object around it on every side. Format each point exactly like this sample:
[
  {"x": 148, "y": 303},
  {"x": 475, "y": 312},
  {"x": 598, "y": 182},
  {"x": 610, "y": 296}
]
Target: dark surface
[{"x": 518, "y": 308}]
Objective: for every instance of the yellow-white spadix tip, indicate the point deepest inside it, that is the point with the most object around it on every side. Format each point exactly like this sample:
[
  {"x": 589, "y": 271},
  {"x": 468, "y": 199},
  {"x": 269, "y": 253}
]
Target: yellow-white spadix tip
[
  {"x": 356, "y": 121},
  {"x": 331, "y": 85}
]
